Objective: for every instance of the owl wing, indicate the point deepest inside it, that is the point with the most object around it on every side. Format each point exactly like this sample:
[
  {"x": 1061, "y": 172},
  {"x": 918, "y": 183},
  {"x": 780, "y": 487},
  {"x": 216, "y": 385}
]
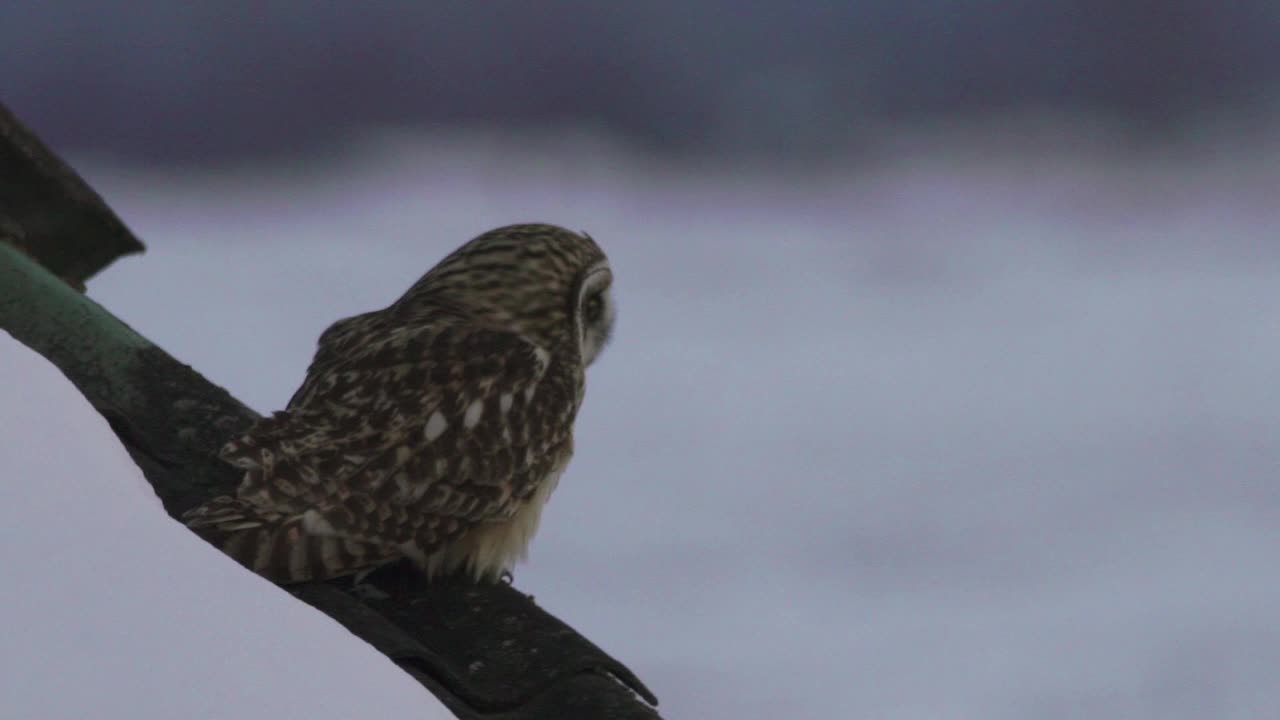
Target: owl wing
[{"x": 406, "y": 435}]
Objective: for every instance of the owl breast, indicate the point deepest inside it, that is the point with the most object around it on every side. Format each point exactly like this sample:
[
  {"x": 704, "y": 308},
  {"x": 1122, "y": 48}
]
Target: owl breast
[{"x": 490, "y": 549}]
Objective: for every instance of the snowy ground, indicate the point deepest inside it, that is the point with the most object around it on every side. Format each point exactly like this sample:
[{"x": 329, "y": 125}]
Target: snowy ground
[{"x": 965, "y": 435}]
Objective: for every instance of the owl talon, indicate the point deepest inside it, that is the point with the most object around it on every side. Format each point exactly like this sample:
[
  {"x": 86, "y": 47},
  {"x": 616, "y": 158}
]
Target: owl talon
[
  {"x": 369, "y": 592},
  {"x": 506, "y": 577}
]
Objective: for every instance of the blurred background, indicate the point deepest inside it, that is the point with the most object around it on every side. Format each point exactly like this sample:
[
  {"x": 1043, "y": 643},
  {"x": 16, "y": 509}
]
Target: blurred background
[
  {"x": 222, "y": 82},
  {"x": 945, "y": 378}
]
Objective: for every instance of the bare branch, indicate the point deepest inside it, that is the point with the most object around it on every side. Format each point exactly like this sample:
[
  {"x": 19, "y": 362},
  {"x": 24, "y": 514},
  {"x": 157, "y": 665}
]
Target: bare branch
[
  {"x": 486, "y": 651},
  {"x": 48, "y": 211}
]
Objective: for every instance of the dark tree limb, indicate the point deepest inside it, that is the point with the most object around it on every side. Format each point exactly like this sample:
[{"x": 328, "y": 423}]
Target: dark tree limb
[
  {"x": 53, "y": 215},
  {"x": 486, "y": 651}
]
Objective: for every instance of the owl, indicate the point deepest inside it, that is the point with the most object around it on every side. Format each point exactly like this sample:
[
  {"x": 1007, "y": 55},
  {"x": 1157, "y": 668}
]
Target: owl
[{"x": 433, "y": 429}]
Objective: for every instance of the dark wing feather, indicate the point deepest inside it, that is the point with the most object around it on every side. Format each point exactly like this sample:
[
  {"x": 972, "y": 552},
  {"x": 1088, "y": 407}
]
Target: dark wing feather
[{"x": 353, "y": 445}]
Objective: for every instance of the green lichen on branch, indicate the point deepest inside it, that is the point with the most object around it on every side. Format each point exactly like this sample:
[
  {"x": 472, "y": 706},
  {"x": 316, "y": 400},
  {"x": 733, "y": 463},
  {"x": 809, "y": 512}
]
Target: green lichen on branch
[{"x": 171, "y": 419}]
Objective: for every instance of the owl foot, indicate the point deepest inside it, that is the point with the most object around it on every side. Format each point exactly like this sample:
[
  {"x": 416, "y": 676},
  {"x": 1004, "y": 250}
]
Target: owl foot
[{"x": 369, "y": 592}]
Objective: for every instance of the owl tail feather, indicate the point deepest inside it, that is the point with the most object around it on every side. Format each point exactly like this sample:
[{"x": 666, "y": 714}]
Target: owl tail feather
[{"x": 280, "y": 547}]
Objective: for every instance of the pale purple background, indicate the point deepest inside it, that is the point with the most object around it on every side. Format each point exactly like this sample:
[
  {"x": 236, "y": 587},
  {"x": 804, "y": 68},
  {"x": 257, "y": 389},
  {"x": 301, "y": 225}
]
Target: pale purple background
[
  {"x": 112, "y": 610},
  {"x": 945, "y": 381},
  {"x": 983, "y": 432}
]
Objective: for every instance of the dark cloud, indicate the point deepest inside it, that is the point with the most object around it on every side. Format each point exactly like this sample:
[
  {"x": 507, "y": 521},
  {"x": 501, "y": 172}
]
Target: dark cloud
[{"x": 224, "y": 80}]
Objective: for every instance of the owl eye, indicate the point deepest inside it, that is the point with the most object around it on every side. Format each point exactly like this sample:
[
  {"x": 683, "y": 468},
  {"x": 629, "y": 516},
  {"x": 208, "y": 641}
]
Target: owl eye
[{"x": 593, "y": 309}]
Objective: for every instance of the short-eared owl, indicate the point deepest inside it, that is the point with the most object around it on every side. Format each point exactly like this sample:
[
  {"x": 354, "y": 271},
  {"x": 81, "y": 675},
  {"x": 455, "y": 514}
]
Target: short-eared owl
[{"x": 435, "y": 428}]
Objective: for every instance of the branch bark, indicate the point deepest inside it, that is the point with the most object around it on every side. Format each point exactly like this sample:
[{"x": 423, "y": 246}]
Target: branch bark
[{"x": 486, "y": 651}]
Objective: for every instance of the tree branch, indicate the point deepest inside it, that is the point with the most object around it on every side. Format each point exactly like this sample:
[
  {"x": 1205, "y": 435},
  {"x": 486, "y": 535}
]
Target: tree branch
[
  {"x": 48, "y": 211},
  {"x": 487, "y": 651}
]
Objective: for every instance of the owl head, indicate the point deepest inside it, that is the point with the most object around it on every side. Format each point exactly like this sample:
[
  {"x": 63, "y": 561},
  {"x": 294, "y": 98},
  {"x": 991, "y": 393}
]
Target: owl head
[{"x": 544, "y": 282}]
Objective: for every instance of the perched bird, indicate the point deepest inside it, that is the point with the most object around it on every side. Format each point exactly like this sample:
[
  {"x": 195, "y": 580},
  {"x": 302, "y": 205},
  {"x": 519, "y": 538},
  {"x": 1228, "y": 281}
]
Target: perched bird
[{"x": 435, "y": 428}]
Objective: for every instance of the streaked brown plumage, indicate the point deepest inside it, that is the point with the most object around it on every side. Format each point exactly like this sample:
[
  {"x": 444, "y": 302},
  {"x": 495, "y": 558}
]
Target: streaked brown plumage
[{"x": 434, "y": 428}]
